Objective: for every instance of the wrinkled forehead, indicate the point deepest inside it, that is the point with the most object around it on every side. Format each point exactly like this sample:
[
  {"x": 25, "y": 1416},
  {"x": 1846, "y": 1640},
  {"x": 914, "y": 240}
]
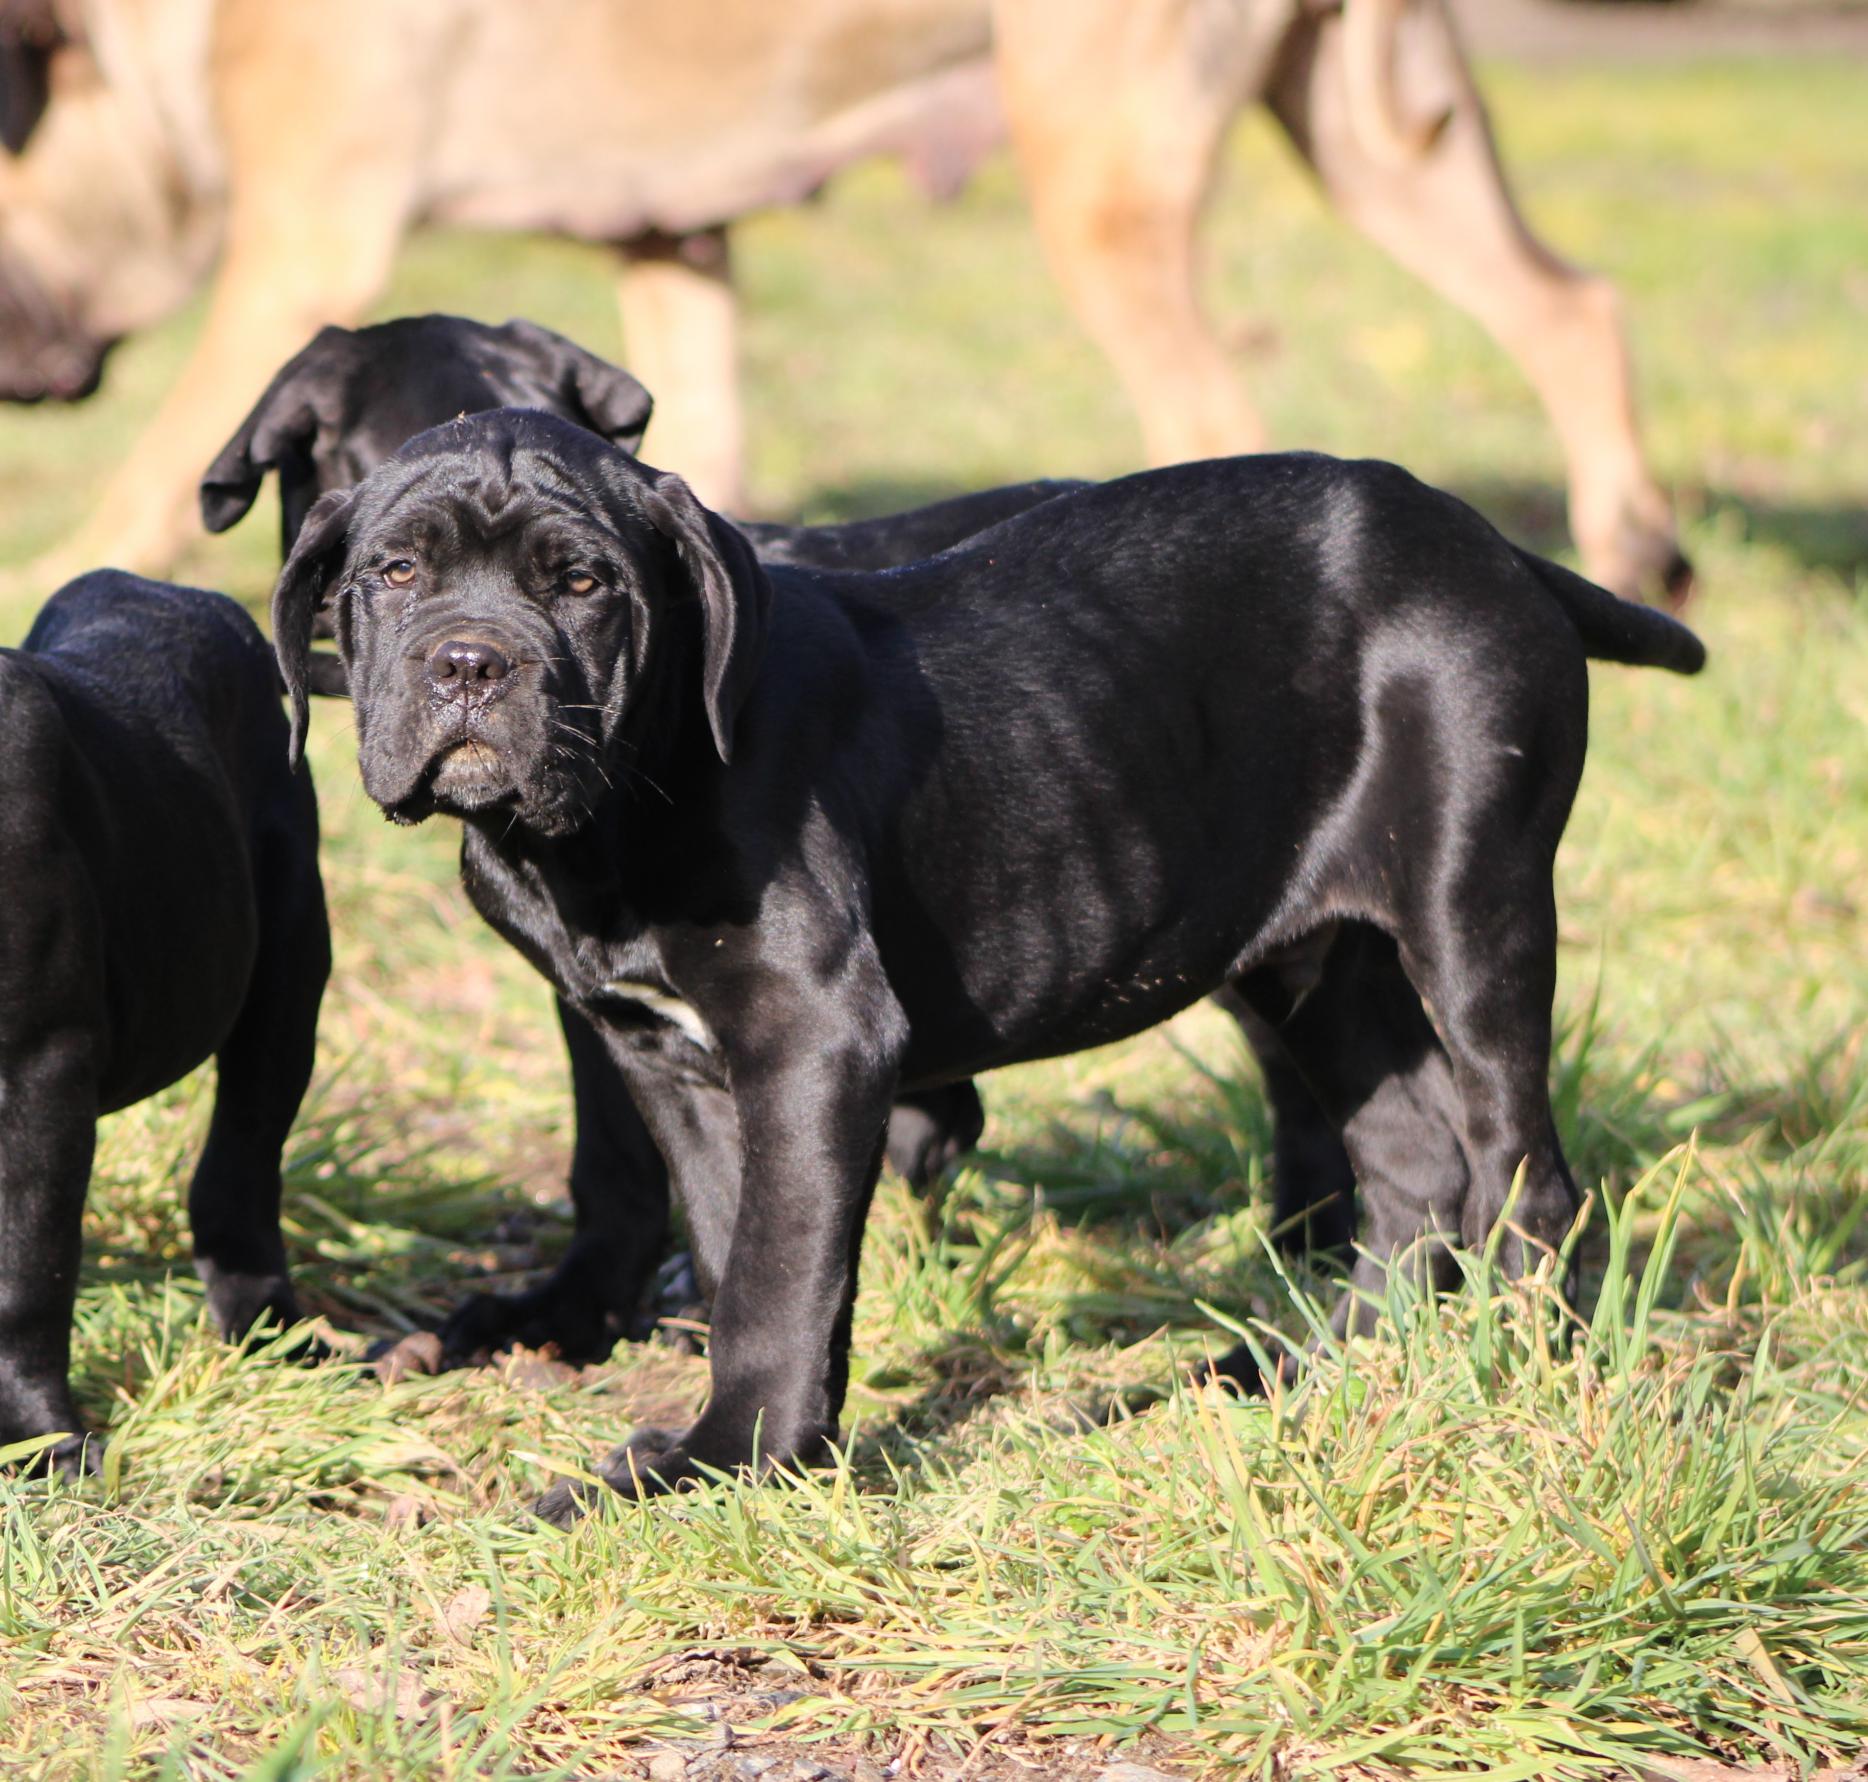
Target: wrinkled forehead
[{"x": 463, "y": 488}]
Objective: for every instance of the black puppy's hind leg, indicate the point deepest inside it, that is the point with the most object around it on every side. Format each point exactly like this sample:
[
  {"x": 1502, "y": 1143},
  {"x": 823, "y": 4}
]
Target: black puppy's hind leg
[
  {"x": 930, "y": 1130},
  {"x": 263, "y": 1068},
  {"x": 1369, "y": 1056},
  {"x": 48, "y": 1124},
  {"x": 1313, "y": 1183},
  {"x": 1478, "y": 936},
  {"x": 1491, "y": 979}
]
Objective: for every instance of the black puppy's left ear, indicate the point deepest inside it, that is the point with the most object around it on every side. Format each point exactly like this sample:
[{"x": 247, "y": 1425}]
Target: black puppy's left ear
[
  {"x": 611, "y": 401},
  {"x": 735, "y": 598},
  {"x": 281, "y": 422},
  {"x": 317, "y": 558}
]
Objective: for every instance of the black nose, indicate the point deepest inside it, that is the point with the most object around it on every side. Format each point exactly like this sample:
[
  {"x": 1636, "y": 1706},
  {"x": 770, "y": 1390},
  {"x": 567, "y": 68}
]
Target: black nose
[{"x": 464, "y": 666}]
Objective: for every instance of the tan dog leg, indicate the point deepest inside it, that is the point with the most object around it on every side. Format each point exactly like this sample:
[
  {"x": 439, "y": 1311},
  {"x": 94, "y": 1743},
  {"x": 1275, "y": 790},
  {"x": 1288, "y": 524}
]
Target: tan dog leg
[
  {"x": 1448, "y": 217},
  {"x": 680, "y": 337},
  {"x": 314, "y": 218},
  {"x": 1117, "y": 109},
  {"x": 148, "y": 514}
]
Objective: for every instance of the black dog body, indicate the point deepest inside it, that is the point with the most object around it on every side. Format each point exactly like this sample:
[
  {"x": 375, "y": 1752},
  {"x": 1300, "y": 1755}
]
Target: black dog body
[
  {"x": 335, "y": 411},
  {"x": 1302, "y": 731},
  {"x": 165, "y": 907}
]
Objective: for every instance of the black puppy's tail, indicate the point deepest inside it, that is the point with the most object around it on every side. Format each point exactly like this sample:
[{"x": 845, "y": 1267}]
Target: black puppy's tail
[{"x": 1615, "y": 630}]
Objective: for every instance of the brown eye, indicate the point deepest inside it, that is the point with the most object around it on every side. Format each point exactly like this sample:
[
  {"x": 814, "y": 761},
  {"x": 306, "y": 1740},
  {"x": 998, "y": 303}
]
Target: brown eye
[
  {"x": 580, "y": 581},
  {"x": 399, "y": 573}
]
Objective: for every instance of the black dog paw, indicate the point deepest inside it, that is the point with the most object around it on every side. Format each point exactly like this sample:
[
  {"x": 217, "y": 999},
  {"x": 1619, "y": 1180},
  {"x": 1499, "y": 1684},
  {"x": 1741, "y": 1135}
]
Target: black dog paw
[
  {"x": 76, "y": 1457},
  {"x": 71, "y": 1458},
  {"x": 648, "y": 1464},
  {"x": 565, "y": 1504},
  {"x": 245, "y": 1303},
  {"x": 1239, "y": 1369},
  {"x": 544, "y": 1318},
  {"x": 931, "y": 1130}
]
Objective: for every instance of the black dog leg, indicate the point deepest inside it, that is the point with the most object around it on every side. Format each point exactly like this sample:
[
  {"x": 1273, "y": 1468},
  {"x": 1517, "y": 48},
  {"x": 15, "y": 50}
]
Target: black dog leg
[
  {"x": 1373, "y": 1062},
  {"x": 1491, "y": 979},
  {"x": 262, "y": 1071},
  {"x": 619, "y": 1193},
  {"x": 48, "y": 1121},
  {"x": 930, "y": 1130},
  {"x": 1313, "y": 1183},
  {"x": 814, "y": 1120}
]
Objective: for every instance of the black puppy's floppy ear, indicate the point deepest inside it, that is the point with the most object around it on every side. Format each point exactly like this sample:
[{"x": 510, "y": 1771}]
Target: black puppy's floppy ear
[
  {"x": 612, "y": 402},
  {"x": 315, "y": 561},
  {"x": 281, "y": 423},
  {"x": 734, "y": 598}
]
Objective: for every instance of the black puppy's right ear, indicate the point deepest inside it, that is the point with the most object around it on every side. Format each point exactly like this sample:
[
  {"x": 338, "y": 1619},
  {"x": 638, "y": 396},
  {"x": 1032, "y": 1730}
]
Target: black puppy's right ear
[
  {"x": 283, "y": 424},
  {"x": 734, "y": 593},
  {"x": 613, "y": 403},
  {"x": 314, "y": 564}
]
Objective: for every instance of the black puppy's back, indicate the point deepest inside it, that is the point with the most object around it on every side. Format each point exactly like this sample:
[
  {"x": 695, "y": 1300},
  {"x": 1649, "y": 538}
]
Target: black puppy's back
[
  {"x": 143, "y": 761},
  {"x": 163, "y": 907}
]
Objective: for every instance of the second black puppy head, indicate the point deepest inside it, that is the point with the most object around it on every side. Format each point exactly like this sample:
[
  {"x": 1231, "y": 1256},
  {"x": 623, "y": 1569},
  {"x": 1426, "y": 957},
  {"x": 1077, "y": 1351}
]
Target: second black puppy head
[
  {"x": 522, "y": 609},
  {"x": 352, "y": 397}
]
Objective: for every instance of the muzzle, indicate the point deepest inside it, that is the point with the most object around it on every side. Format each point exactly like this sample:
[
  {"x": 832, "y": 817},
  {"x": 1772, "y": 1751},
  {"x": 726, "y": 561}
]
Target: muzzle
[{"x": 45, "y": 355}]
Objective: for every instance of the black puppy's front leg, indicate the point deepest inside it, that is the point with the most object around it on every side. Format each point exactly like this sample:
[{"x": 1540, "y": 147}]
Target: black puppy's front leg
[
  {"x": 812, "y": 1087},
  {"x": 619, "y": 1194}
]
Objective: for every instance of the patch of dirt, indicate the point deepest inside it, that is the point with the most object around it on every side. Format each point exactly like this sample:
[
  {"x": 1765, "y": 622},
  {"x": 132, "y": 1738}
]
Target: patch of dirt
[{"x": 730, "y": 1691}]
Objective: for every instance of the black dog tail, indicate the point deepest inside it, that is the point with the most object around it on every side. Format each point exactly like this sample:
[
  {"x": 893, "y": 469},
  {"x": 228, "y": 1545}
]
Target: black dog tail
[{"x": 1615, "y": 630}]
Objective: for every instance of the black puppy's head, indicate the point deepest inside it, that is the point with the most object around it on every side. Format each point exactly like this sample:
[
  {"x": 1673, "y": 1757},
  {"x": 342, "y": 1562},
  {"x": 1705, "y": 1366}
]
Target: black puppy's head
[
  {"x": 523, "y": 610},
  {"x": 347, "y": 401}
]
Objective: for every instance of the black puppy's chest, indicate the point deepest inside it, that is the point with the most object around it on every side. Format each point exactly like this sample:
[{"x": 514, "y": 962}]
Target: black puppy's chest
[{"x": 595, "y": 955}]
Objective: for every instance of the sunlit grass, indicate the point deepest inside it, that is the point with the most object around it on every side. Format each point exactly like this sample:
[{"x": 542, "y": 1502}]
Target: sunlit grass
[{"x": 1494, "y": 1538}]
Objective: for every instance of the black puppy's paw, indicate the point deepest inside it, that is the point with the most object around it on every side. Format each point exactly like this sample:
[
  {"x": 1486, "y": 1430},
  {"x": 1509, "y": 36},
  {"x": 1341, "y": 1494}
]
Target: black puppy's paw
[
  {"x": 646, "y": 1465},
  {"x": 72, "y": 1457},
  {"x": 1239, "y": 1369},
  {"x": 244, "y": 1304},
  {"x": 76, "y": 1457},
  {"x": 547, "y": 1317}
]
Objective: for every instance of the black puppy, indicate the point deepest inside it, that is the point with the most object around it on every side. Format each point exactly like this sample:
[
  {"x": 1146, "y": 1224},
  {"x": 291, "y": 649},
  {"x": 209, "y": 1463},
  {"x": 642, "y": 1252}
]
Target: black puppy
[
  {"x": 161, "y": 863},
  {"x": 335, "y": 411},
  {"x": 792, "y": 840},
  {"x": 340, "y": 406}
]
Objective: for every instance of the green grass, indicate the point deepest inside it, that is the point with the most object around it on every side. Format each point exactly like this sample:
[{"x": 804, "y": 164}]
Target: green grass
[{"x": 1491, "y": 1540}]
